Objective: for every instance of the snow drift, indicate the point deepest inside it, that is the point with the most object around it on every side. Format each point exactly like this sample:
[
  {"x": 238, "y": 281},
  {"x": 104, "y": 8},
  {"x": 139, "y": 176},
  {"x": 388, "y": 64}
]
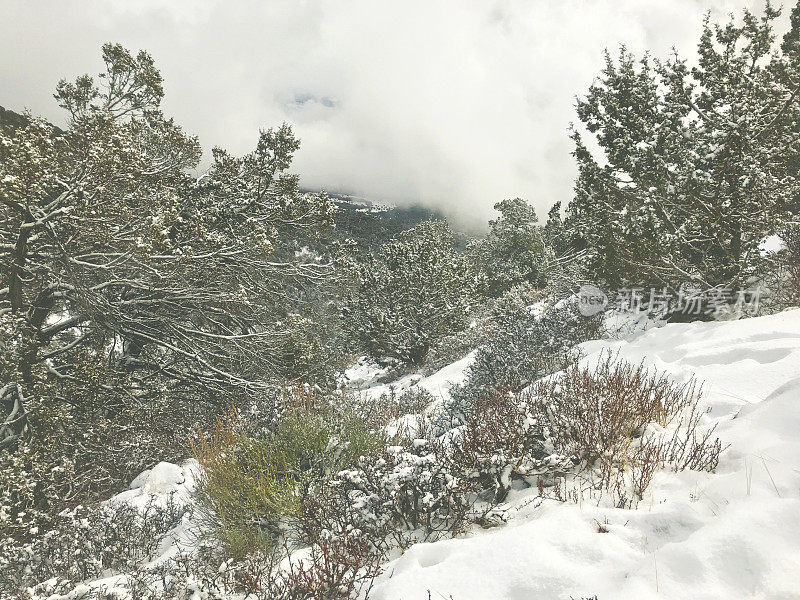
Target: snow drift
[{"x": 734, "y": 533}]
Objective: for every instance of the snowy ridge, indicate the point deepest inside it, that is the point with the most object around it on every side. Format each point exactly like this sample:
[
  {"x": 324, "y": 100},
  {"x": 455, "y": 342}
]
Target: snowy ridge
[{"x": 734, "y": 533}]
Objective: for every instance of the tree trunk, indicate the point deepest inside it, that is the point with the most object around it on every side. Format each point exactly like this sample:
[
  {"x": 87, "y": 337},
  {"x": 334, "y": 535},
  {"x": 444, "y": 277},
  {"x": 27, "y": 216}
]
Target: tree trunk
[{"x": 18, "y": 258}]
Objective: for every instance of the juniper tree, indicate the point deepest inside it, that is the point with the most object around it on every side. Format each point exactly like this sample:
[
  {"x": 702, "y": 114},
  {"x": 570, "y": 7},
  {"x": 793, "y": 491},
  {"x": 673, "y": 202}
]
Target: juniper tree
[
  {"x": 125, "y": 279},
  {"x": 554, "y": 232},
  {"x": 514, "y": 250},
  {"x": 698, "y": 163},
  {"x": 415, "y": 290}
]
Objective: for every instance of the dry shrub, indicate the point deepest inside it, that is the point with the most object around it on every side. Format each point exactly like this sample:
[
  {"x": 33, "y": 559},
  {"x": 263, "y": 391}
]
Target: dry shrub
[
  {"x": 613, "y": 425},
  {"x": 781, "y": 281},
  {"x": 378, "y": 412},
  {"x": 401, "y": 496},
  {"x": 299, "y": 398},
  {"x": 622, "y": 422},
  {"x": 494, "y": 445},
  {"x": 338, "y": 568},
  {"x": 375, "y": 412},
  {"x": 793, "y": 266},
  {"x": 87, "y": 542},
  {"x": 595, "y": 414}
]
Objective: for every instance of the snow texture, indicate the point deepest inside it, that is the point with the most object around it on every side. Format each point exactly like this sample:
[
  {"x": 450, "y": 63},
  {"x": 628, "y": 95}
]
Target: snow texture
[
  {"x": 734, "y": 533},
  {"x": 363, "y": 375}
]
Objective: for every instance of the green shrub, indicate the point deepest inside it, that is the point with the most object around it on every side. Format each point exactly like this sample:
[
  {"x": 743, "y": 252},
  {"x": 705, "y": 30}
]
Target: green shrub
[
  {"x": 416, "y": 290},
  {"x": 252, "y": 484},
  {"x": 82, "y": 452},
  {"x": 528, "y": 337}
]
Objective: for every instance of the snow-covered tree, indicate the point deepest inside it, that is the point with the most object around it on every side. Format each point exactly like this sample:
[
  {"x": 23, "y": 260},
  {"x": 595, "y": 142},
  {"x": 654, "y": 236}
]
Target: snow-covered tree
[
  {"x": 514, "y": 250},
  {"x": 554, "y": 232},
  {"x": 415, "y": 290},
  {"x": 528, "y": 337},
  {"x": 128, "y": 282},
  {"x": 698, "y": 163}
]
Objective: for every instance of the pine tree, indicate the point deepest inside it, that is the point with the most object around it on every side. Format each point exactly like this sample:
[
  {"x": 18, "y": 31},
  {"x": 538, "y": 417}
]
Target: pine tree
[{"x": 554, "y": 233}]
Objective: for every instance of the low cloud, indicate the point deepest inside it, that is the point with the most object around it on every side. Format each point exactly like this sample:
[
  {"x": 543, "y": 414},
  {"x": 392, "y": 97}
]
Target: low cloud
[{"x": 452, "y": 104}]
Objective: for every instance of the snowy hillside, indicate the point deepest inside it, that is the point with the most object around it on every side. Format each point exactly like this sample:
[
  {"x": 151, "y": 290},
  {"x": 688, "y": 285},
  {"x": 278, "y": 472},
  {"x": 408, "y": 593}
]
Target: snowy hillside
[
  {"x": 219, "y": 382},
  {"x": 734, "y": 533},
  {"x": 731, "y": 534}
]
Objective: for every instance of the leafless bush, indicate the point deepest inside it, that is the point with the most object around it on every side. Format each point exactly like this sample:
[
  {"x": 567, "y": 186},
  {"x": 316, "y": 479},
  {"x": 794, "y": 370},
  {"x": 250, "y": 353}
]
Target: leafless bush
[
  {"x": 496, "y": 444},
  {"x": 780, "y": 281},
  {"x": 377, "y": 412},
  {"x": 608, "y": 428},
  {"x": 88, "y": 541},
  {"x": 404, "y": 495},
  {"x": 339, "y": 568},
  {"x": 622, "y": 422},
  {"x": 792, "y": 265}
]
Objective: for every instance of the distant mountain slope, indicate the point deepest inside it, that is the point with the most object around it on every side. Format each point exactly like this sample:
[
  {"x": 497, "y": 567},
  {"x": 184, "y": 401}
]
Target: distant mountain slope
[
  {"x": 370, "y": 224},
  {"x": 9, "y": 120}
]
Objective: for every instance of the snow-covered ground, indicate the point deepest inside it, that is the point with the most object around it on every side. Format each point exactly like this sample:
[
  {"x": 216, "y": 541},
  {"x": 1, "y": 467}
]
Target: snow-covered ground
[
  {"x": 363, "y": 378},
  {"x": 731, "y": 534}
]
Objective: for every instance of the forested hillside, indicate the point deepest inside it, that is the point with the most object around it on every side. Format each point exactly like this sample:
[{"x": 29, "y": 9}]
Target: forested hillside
[
  {"x": 215, "y": 383},
  {"x": 370, "y": 225},
  {"x": 10, "y": 121}
]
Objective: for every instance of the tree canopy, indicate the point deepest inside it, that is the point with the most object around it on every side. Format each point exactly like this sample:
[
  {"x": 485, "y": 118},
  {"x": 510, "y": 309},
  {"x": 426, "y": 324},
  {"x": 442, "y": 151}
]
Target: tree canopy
[
  {"x": 115, "y": 256},
  {"x": 698, "y": 163}
]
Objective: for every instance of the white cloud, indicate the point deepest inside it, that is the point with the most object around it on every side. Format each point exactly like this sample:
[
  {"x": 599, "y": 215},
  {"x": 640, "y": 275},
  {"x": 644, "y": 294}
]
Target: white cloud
[{"x": 453, "y": 104}]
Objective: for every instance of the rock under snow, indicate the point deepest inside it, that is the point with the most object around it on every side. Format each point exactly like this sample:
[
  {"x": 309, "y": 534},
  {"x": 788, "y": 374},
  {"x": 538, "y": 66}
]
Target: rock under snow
[{"x": 163, "y": 481}]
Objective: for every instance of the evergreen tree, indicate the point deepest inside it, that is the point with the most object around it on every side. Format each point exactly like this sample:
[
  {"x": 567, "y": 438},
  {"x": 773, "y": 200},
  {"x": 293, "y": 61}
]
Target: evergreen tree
[
  {"x": 554, "y": 232},
  {"x": 128, "y": 285},
  {"x": 513, "y": 251},
  {"x": 415, "y": 290},
  {"x": 698, "y": 165}
]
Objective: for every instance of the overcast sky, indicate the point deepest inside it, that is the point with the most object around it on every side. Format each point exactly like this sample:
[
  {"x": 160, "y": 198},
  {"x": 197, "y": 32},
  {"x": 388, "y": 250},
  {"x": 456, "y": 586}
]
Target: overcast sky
[{"x": 452, "y": 104}]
